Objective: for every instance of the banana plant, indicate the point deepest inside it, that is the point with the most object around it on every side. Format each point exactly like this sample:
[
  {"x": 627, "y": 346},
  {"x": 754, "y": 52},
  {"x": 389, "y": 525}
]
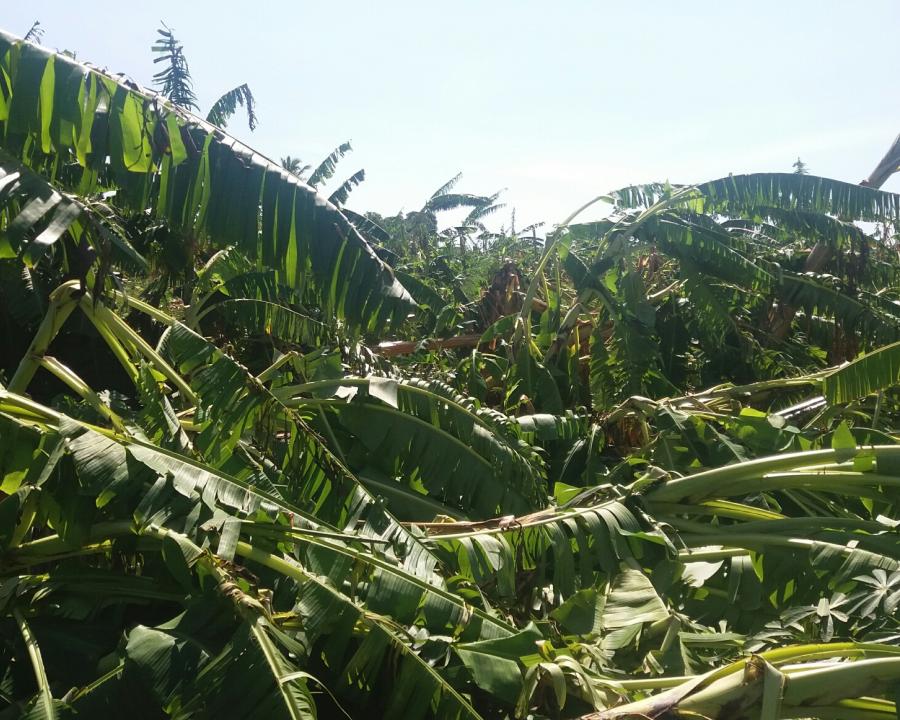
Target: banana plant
[
  {"x": 96, "y": 134},
  {"x": 691, "y": 285},
  {"x": 175, "y": 82},
  {"x": 222, "y": 503}
]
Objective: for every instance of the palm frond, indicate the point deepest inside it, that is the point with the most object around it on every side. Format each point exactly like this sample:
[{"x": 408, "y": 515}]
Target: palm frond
[
  {"x": 488, "y": 208},
  {"x": 35, "y": 33},
  {"x": 295, "y": 165},
  {"x": 226, "y": 106},
  {"x": 339, "y": 196},
  {"x": 452, "y": 201},
  {"x": 327, "y": 167},
  {"x": 446, "y": 187},
  {"x": 174, "y": 79}
]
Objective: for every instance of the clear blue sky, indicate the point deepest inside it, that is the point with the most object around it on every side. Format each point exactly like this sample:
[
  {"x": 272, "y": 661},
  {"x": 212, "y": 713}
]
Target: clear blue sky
[{"x": 555, "y": 101}]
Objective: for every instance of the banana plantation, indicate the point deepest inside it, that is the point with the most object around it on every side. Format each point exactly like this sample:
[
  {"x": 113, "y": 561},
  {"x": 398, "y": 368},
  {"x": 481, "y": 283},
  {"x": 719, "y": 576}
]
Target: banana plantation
[{"x": 265, "y": 457}]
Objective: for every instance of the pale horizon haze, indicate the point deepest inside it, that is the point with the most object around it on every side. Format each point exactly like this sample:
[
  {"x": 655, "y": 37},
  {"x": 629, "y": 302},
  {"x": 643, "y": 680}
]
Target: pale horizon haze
[{"x": 553, "y": 102}]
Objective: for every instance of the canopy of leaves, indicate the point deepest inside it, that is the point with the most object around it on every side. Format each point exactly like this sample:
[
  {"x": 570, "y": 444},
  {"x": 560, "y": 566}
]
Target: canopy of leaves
[{"x": 264, "y": 457}]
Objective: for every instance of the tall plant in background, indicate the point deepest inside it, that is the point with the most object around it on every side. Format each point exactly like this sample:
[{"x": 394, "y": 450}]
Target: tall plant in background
[
  {"x": 175, "y": 82},
  {"x": 232, "y": 506},
  {"x": 324, "y": 171}
]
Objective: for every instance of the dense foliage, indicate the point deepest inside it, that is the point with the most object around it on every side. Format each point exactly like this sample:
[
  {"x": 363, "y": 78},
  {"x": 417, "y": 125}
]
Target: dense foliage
[{"x": 262, "y": 456}]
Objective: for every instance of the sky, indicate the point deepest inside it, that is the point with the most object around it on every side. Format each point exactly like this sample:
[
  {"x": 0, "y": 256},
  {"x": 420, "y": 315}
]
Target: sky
[{"x": 552, "y": 102}]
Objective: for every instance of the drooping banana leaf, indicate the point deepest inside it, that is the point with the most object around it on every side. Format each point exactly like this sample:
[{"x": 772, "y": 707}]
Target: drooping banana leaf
[
  {"x": 95, "y": 132},
  {"x": 744, "y": 195},
  {"x": 435, "y": 442},
  {"x": 878, "y": 370}
]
